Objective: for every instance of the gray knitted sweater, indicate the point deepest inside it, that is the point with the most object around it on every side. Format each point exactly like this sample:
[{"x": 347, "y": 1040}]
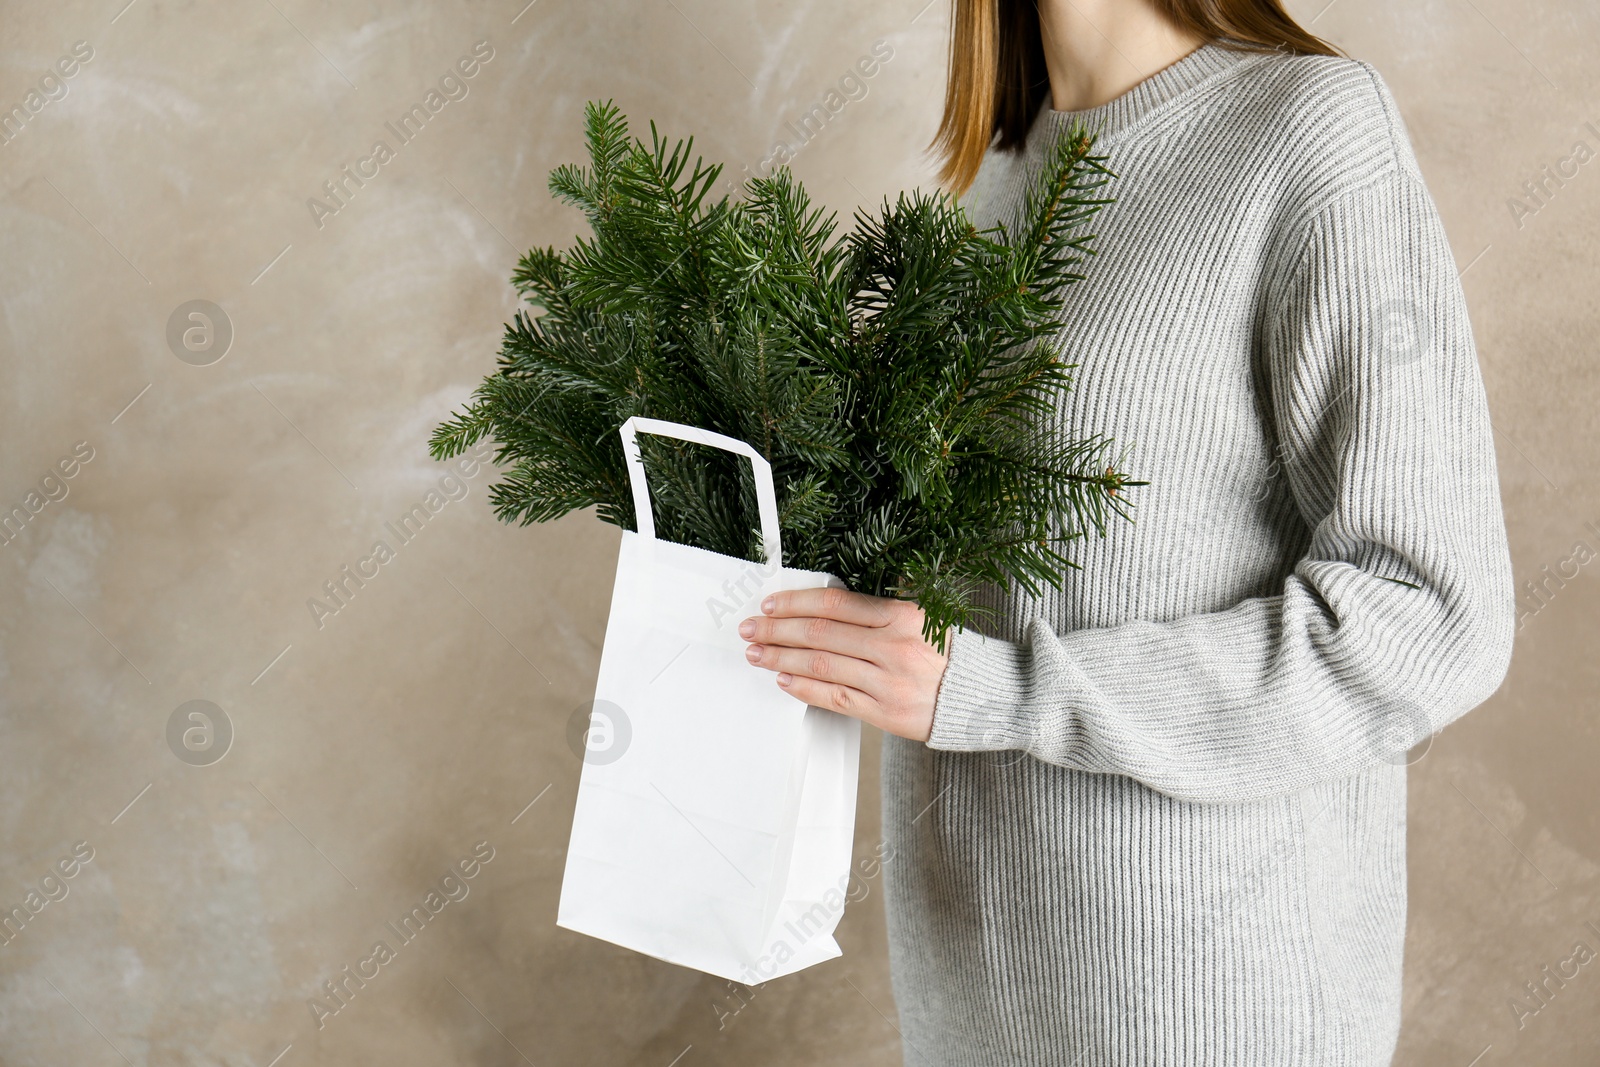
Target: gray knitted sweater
[{"x": 1161, "y": 816}]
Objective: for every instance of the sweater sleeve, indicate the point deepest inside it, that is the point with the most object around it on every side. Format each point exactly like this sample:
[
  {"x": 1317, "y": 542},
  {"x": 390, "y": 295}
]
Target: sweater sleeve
[{"x": 1398, "y": 618}]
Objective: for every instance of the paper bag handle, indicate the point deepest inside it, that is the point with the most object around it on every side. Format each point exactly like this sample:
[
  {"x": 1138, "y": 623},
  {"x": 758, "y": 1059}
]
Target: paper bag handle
[{"x": 766, "y": 497}]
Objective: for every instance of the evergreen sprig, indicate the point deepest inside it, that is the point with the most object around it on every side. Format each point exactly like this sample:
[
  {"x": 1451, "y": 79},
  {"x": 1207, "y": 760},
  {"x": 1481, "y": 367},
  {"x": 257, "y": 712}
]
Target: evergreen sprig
[{"x": 900, "y": 378}]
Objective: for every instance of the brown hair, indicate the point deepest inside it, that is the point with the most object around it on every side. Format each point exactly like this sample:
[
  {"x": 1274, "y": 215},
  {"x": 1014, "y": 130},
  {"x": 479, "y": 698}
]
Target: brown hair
[{"x": 998, "y": 79}]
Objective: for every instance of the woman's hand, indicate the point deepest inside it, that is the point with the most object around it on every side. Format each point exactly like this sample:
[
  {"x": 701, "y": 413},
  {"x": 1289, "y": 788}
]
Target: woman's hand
[{"x": 861, "y": 656}]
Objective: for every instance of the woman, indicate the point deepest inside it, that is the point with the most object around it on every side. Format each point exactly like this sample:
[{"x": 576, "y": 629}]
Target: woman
[{"x": 1157, "y": 816}]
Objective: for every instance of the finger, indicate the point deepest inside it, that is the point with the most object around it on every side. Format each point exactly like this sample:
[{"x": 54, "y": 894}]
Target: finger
[
  {"x": 831, "y": 696},
  {"x": 845, "y": 638},
  {"x": 840, "y": 605},
  {"x": 822, "y": 666}
]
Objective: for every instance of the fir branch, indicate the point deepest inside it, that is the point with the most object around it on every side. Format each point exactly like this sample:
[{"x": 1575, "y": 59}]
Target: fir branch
[{"x": 899, "y": 377}]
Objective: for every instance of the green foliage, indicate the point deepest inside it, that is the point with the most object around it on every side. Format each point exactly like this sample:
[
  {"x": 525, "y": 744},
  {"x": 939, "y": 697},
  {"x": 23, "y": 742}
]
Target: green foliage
[{"x": 898, "y": 378}]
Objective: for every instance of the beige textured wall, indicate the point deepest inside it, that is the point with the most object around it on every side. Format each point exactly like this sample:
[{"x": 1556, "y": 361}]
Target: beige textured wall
[{"x": 375, "y": 750}]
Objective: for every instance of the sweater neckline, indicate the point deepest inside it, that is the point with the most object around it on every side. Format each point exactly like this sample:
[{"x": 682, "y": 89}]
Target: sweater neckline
[{"x": 1121, "y": 113}]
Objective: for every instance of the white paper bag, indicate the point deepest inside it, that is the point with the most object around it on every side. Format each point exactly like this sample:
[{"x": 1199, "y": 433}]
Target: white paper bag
[{"x": 714, "y": 828}]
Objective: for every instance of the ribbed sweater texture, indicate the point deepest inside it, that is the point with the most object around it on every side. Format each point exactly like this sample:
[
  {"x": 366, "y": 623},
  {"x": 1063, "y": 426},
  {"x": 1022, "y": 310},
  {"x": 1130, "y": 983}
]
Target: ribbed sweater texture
[{"x": 1160, "y": 821}]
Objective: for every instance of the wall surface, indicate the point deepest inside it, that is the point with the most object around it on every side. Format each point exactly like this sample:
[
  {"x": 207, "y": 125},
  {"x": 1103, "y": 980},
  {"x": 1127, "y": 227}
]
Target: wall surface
[{"x": 345, "y": 759}]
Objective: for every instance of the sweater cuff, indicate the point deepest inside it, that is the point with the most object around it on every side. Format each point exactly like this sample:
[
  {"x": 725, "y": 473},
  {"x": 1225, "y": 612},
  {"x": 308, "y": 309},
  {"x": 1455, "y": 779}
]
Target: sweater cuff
[{"x": 981, "y": 700}]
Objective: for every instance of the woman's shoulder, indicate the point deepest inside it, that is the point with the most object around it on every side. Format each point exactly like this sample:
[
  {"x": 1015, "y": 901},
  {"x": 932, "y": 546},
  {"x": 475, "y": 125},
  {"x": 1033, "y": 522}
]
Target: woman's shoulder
[
  {"x": 1323, "y": 125},
  {"x": 1326, "y": 115},
  {"x": 1318, "y": 132}
]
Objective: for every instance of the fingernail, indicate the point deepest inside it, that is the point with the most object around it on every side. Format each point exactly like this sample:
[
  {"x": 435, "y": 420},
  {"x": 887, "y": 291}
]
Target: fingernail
[
  {"x": 752, "y": 653},
  {"x": 767, "y": 605},
  {"x": 784, "y": 679},
  {"x": 747, "y": 628}
]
